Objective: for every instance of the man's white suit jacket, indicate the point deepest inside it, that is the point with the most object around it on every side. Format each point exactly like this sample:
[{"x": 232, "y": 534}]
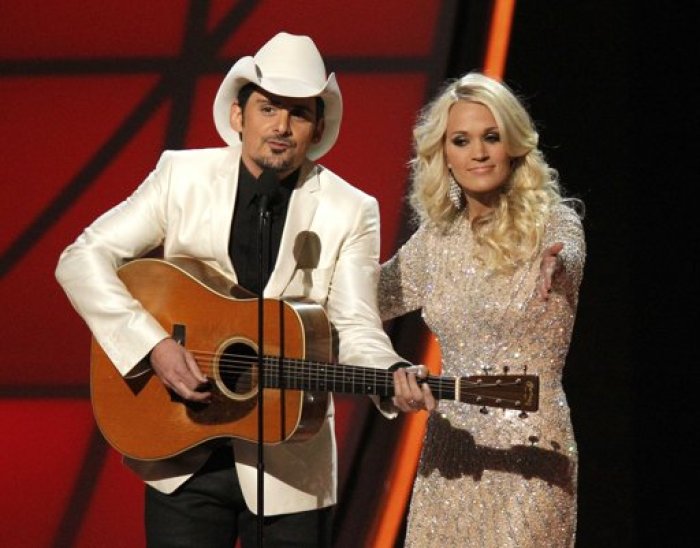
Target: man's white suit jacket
[{"x": 186, "y": 205}]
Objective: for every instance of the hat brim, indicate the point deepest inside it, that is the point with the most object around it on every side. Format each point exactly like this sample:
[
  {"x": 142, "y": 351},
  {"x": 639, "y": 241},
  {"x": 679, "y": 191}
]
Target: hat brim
[{"x": 244, "y": 71}]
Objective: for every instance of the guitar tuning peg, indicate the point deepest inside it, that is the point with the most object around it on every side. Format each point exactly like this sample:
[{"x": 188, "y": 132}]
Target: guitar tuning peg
[
  {"x": 506, "y": 369},
  {"x": 525, "y": 369},
  {"x": 484, "y": 411},
  {"x": 523, "y": 415}
]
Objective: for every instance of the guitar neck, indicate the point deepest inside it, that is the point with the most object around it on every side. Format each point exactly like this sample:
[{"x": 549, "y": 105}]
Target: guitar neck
[
  {"x": 341, "y": 379},
  {"x": 505, "y": 391}
]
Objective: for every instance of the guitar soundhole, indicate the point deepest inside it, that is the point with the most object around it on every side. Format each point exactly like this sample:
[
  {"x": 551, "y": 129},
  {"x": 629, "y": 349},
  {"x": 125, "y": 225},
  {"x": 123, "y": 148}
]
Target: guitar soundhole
[{"x": 237, "y": 369}]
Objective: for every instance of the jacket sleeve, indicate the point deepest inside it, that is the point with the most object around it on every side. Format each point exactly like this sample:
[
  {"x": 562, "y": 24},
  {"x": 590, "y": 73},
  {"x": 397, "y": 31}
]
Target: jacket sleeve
[
  {"x": 352, "y": 298},
  {"x": 87, "y": 271}
]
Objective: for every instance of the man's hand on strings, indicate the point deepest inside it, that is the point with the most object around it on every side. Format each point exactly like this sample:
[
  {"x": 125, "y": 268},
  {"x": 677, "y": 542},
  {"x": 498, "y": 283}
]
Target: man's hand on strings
[{"x": 178, "y": 371}]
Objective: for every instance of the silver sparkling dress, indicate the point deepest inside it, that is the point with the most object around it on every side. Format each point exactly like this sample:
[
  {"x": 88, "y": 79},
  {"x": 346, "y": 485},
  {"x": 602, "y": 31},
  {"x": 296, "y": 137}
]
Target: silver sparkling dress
[{"x": 495, "y": 479}]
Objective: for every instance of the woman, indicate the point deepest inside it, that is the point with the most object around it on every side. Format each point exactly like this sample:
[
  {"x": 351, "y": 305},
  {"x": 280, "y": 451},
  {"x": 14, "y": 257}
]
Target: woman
[{"x": 495, "y": 266}]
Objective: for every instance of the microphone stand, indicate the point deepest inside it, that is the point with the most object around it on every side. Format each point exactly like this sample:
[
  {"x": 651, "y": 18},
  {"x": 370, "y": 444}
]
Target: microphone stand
[{"x": 263, "y": 238}]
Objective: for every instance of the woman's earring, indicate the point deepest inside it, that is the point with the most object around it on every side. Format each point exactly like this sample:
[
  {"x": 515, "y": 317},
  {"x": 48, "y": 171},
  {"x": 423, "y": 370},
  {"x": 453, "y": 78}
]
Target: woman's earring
[{"x": 455, "y": 193}]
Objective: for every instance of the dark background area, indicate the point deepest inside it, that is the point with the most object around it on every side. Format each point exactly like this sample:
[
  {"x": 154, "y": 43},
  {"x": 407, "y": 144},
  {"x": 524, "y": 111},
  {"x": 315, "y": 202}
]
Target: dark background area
[
  {"x": 665, "y": 91},
  {"x": 572, "y": 63}
]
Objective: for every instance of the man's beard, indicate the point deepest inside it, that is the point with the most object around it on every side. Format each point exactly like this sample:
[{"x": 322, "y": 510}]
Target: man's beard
[{"x": 277, "y": 165}]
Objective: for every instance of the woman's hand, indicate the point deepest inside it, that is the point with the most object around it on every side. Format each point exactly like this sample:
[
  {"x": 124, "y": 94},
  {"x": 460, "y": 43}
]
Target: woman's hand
[
  {"x": 409, "y": 395},
  {"x": 550, "y": 265}
]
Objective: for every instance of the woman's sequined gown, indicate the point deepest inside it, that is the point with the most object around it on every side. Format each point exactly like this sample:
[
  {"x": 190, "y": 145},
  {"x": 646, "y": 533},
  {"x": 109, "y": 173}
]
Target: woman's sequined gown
[{"x": 496, "y": 479}]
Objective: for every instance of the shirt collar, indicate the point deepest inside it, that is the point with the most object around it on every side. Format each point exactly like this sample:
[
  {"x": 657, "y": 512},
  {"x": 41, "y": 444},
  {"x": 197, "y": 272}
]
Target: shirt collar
[{"x": 247, "y": 187}]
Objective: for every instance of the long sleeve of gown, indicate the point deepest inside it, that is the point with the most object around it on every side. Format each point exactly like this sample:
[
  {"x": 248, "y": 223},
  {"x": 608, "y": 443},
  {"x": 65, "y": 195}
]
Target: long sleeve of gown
[
  {"x": 565, "y": 226},
  {"x": 404, "y": 279}
]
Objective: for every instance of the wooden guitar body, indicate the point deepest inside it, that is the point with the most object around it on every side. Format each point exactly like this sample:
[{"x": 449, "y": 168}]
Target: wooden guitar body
[{"x": 142, "y": 419}]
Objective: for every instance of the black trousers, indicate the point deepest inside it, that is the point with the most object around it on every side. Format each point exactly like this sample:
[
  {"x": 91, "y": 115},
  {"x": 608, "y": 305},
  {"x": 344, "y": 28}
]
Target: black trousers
[{"x": 208, "y": 511}]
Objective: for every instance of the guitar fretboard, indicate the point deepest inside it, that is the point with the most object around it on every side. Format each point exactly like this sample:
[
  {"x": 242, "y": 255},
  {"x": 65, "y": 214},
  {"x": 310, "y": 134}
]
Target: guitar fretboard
[
  {"x": 506, "y": 391},
  {"x": 345, "y": 379}
]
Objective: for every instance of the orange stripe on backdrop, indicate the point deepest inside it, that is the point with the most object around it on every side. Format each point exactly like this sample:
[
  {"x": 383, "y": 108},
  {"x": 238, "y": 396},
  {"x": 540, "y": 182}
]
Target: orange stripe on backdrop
[
  {"x": 397, "y": 488},
  {"x": 499, "y": 38},
  {"x": 400, "y": 481}
]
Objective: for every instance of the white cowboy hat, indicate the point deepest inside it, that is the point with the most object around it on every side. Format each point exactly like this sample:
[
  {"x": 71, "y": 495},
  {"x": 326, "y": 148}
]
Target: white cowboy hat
[{"x": 289, "y": 66}]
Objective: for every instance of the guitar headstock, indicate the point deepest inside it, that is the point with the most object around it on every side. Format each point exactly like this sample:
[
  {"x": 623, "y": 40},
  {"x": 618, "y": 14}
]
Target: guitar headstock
[{"x": 505, "y": 391}]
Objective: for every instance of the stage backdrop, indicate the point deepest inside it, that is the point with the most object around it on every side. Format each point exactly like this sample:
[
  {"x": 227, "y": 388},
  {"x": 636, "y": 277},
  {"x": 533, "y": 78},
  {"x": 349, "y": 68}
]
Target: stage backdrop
[{"x": 91, "y": 92}]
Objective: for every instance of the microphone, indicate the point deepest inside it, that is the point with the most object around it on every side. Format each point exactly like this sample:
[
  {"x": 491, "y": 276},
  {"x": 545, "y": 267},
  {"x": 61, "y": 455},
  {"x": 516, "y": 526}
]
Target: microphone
[{"x": 267, "y": 189}]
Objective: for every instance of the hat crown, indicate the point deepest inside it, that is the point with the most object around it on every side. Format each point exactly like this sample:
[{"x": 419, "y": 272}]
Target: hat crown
[{"x": 290, "y": 57}]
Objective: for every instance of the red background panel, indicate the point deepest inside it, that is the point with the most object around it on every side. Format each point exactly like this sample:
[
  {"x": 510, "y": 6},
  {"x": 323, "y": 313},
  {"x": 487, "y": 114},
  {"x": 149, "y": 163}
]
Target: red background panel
[
  {"x": 356, "y": 29},
  {"x": 88, "y": 100},
  {"x": 44, "y": 448},
  {"x": 52, "y": 126},
  {"x": 35, "y": 29},
  {"x": 115, "y": 514},
  {"x": 201, "y": 131}
]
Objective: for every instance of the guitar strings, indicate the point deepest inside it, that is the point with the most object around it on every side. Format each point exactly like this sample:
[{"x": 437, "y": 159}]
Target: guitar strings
[
  {"x": 242, "y": 362},
  {"x": 306, "y": 370},
  {"x": 317, "y": 372}
]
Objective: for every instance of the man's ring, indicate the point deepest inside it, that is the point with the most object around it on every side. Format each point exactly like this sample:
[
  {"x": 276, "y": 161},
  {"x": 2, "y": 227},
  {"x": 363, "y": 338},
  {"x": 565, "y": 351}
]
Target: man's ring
[{"x": 412, "y": 403}]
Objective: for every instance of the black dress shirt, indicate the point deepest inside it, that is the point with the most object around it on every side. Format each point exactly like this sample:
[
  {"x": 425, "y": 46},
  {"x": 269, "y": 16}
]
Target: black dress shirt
[{"x": 244, "y": 239}]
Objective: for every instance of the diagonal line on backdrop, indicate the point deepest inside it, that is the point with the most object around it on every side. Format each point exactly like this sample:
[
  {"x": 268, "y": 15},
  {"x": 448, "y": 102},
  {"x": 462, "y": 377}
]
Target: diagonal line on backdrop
[
  {"x": 160, "y": 92},
  {"x": 78, "y": 503},
  {"x": 184, "y": 85}
]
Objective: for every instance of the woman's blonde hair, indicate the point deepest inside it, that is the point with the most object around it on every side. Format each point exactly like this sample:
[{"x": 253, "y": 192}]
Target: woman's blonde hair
[{"x": 512, "y": 232}]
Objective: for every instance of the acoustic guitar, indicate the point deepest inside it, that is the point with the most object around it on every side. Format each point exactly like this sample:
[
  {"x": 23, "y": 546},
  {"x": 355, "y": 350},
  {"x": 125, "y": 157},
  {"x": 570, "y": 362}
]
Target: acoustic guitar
[{"x": 204, "y": 311}]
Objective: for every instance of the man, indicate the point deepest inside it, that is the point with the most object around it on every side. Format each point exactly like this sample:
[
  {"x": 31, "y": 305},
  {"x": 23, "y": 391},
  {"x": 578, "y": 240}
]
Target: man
[{"x": 278, "y": 112}]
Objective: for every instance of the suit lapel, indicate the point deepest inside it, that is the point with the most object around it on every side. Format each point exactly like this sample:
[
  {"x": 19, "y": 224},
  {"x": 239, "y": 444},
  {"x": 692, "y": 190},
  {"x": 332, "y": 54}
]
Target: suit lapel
[
  {"x": 302, "y": 207},
  {"x": 224, "y": 188}
]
